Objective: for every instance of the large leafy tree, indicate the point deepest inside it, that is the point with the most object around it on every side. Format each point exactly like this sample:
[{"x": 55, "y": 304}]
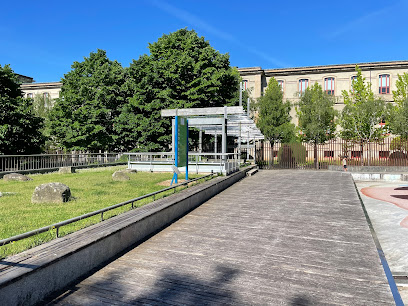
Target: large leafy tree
[
  {"x": 20, "y": 128},
  {"x": 401, "y": 94},
  {"x": 273, "y": 119},
  {"x": 398, "y": 113},
  {"x": 398, "y": 119},
  {"x": 362, "y": 113},
  {"x": 181, "y": 71},
  {"x": 316, "y": 116},
  {"x": 91, "y": 98}
]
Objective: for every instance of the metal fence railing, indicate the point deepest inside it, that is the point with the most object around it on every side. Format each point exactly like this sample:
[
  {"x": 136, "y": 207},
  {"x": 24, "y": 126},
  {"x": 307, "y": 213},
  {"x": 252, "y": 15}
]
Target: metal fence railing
[
  {"x": 58, "y": 225},
  {"x": 390, "y": 151},
  {"x": 13, "y": 163},
  {"x": 225, "y": 163}
]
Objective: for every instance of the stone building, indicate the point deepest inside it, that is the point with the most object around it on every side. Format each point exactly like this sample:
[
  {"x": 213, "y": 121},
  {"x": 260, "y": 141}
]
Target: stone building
[
  {"x": 333, "y": 79},
  {"x": 49, "y": 90}
]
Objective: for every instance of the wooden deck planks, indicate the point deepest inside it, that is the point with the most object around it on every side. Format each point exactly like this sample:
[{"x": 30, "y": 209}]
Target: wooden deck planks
[{"x": 279, "y": 237}]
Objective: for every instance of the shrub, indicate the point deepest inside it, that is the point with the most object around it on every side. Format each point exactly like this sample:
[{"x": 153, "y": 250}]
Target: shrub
[
  {"x": 399, "y": 144},
  {"x": 295, "y": 150}
]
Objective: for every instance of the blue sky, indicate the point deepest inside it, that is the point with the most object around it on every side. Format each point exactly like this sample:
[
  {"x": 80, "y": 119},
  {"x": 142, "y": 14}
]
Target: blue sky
[{"x": 42, "y": 39}]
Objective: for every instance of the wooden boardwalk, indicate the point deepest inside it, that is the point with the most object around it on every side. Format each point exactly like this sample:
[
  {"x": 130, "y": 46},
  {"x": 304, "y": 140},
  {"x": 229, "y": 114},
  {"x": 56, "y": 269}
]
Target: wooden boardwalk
[{"x": 278, "y": 237}]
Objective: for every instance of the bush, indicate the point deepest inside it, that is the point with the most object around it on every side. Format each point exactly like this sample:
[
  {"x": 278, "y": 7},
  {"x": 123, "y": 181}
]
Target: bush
[
  {"x": 398, "y": 155},
  {"x": 399, "y": 144},
  {"x": 295, "y": 150},
  {"x": 285, "y": 157}
]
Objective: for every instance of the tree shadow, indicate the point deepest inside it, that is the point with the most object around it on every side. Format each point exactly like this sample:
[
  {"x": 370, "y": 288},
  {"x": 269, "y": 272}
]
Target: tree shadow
[
  {"x": 170, "y": 288},
  {"x": 302, "y": 300},
  {"x": 401, "y": 188},
  {"x": 400, "y": 196},
  {"x": 182, "y": 289}
]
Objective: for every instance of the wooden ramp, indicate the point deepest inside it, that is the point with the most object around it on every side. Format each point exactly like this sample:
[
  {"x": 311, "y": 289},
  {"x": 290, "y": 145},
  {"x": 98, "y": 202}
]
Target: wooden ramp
[{"x": 278, "y": 237}]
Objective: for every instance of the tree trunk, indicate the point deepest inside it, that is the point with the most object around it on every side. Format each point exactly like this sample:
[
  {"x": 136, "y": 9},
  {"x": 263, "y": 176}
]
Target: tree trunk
[
  {"x": 271, "y": 157},
  {"x": 316, "y": 162},
  {"x": 368, "y": 153},
  {"x": 362, "y": 153}
]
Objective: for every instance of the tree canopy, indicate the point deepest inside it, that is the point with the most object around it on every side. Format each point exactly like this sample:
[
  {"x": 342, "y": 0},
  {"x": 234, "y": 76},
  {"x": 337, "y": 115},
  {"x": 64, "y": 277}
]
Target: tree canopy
[
  {"x": 401, "y": 94},
  {"x": 362, "y": 112},
  {"x": 316, "y": 115},
  {"x": 398, "y": 114},
  {"x": 274, "y": 120},
  {"x": 91, "y": 98},
  {"x": 181, "y": 71},
  {"x": 20, "y": 128}
]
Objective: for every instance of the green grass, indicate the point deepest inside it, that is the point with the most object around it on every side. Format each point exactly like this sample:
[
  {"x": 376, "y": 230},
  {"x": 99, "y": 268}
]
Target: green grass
[{"x": 91, "y": 189}]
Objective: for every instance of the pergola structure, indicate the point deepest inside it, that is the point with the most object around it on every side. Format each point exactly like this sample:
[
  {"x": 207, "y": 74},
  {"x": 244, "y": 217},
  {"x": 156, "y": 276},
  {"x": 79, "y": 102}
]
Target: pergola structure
[{"x": 227, "y": 121}]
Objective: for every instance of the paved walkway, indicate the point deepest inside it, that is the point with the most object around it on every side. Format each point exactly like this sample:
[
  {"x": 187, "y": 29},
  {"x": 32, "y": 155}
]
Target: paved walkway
[
  {"x": 278, "y": 237},
  {"x": 387, "y": 206}
]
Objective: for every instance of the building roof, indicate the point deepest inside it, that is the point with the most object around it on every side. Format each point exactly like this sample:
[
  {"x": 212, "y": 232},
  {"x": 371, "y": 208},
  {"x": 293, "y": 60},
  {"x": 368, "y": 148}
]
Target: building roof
[
  {"x": 47, "y": 85},
  {"x": 324, "y": 68},
  {"x": 24, "y": 78}
]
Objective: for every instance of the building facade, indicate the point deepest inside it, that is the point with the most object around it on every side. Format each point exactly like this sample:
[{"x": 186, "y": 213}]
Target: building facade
[
  {"x": 333, "y": 79},
  {"x": 48, "y": 90}
]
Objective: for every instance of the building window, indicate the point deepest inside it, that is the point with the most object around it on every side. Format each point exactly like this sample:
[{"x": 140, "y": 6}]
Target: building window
[
  {"x": 384, "y": 84},
  {"x": 30, "y": 95},
  {"x": 46, "y": 95},
  {"x": 329, "y": 154},
  {"x": 303, "y": 84},
  {"x": 329, "y": 86},
  {"x": 244, "y": 85},
  {"x": 353, "y": 81},
  {"x": 384, "y": 154},
  {"x": 355, "y": 154},
  {"x": 281, "y": 84}
]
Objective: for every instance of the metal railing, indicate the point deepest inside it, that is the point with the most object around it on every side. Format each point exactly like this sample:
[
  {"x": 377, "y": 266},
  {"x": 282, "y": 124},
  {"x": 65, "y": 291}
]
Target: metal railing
[
  {"x": 197, "y": 162},
  {"x": 12, "y": 163},
  {"x": 387, "y": 152},
  {"x": 57, "y": 226}
]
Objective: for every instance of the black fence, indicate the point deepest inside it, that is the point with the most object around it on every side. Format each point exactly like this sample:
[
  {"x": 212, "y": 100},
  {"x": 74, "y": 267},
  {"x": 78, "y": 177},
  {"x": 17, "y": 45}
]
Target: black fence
[{"x": 385, "y": 152}]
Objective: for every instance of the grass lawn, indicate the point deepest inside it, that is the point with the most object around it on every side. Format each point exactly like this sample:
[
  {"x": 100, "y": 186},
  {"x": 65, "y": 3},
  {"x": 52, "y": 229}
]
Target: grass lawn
[{"x": 91, "y": 189}]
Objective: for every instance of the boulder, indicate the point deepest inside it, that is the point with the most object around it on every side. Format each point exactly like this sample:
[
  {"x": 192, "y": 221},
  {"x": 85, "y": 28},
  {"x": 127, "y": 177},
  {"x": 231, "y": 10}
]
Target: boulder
[
  {"x": 51, "y": 193},
  {"x": 120, "y": 176},
  {"x": 16, "y": 177},
  {"x": 64, "y": 170}
]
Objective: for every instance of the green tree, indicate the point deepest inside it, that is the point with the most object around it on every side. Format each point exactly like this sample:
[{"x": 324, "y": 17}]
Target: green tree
[
  {"x": 399, "y": 144},
  {"x": 316, "y": 116},
  {"x": 42, "y": 104},
  {"x": 181, "y": 71},
  {"x": 274, "y": 120},
  {"x": 401, "y": 94},
  {"x": 91, "y": 98},
  {"x": 362, "y": 113},
  {"x": 20, "y": 128},
  {"x": 398, "y": 113},
  {"x": 398, "y": 119}
]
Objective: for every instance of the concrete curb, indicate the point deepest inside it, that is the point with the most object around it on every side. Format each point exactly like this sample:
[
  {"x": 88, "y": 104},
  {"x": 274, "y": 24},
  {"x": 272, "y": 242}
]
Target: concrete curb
[
  {"x": 29, "y": 277},
  {"x": 379, "y": 176},
  {"x": 371, "y": 169}
]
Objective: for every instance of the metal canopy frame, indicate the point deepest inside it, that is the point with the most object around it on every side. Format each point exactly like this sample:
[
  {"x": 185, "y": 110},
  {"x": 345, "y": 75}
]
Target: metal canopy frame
[{"x": 227, "y": 121}]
